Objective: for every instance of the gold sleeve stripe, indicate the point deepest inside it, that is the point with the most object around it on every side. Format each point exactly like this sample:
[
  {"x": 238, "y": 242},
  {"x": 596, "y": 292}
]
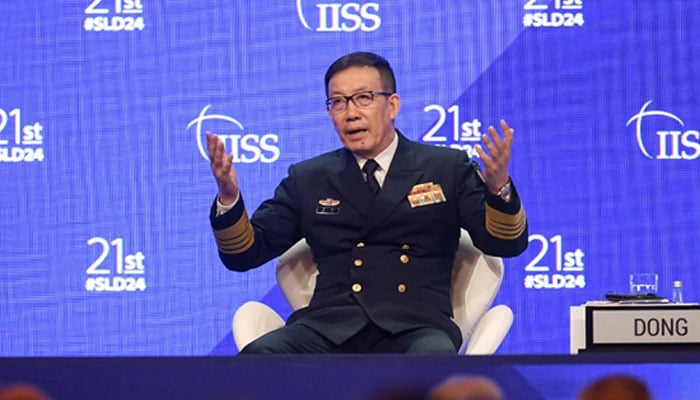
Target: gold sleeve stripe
[
  {"x": 505, "y": 226},
  {"x": 237, "y": 238}
]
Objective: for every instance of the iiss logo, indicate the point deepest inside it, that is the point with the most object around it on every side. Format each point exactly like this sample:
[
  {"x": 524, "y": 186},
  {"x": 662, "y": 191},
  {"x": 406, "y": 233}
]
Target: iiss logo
[
  {"x": 340, "y": 17},
  {"x": 245, "y": 147},
  {"x": 672, "y": 144}
]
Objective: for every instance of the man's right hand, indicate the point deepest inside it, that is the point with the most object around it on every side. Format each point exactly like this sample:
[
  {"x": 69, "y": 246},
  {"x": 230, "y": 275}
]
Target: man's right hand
[{"x": 222, "y": 167}]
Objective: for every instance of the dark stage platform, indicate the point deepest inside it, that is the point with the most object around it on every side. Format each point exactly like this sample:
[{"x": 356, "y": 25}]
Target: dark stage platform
[{"x": 669, "y": 375}]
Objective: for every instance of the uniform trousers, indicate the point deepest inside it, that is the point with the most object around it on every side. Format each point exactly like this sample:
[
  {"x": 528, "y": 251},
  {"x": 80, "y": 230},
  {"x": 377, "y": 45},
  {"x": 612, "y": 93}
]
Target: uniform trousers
[{"x": 297, "y": 338}]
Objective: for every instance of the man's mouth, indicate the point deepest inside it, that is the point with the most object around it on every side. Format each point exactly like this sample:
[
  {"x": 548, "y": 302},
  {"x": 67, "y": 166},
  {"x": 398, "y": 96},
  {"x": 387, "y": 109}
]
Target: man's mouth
[{"x": 355, "y": 131}]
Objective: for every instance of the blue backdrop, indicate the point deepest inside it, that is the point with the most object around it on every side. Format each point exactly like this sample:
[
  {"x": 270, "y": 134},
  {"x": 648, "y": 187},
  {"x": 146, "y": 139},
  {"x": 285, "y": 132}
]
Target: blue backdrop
[{"x": 105, "y": 186}]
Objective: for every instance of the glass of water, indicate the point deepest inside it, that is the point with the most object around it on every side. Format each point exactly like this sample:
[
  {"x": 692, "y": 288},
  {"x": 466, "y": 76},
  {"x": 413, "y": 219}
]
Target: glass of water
[{"x": 644, "y": 283}]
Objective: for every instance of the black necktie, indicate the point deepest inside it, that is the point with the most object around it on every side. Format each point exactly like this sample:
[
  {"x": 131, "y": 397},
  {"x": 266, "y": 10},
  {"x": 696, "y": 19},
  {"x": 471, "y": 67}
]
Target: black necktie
[{"x": 372, "y": 184}]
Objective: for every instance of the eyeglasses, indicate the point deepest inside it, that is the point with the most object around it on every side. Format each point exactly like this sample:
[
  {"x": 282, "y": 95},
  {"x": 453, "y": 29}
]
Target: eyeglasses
[{"x": 360, "y": 100}]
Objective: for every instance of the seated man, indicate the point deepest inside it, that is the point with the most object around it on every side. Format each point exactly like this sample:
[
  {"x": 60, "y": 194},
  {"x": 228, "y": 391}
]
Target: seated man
[{"x": 382, "y": 216}]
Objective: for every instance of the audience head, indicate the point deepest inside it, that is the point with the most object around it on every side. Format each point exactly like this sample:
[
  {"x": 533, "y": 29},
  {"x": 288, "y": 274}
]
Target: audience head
[
  {"x": 466, "y": 387},
  {"x": 616, "y": 387},
  {"x": 22, "y": 391}
]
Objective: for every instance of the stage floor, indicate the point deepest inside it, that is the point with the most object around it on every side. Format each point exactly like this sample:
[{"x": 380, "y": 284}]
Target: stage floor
[{"x": 341, "y": 377}]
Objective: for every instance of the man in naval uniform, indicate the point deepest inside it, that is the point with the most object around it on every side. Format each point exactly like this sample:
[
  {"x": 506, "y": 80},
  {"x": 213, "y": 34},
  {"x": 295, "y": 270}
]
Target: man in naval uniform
[{"x": 382, "y": 216}]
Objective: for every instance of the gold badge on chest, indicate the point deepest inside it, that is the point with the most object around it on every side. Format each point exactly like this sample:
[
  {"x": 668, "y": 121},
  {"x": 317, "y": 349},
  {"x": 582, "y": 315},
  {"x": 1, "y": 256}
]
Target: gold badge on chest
[
  {"x": 329, "y": 202},
  {"x": 328, "y": 206}
]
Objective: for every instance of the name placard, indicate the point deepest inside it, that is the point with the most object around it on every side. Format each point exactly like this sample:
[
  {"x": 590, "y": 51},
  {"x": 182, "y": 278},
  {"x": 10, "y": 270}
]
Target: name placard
[{"x": 639, "y": 325}]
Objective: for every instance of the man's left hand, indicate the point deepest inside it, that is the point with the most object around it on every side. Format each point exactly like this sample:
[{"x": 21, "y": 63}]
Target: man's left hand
[{"x": 496, "y": 161}]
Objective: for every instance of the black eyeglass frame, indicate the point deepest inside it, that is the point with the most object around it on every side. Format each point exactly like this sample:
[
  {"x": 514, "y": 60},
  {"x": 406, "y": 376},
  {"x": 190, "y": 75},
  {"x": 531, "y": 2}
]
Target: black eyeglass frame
[{"x": 354, "y": 98}]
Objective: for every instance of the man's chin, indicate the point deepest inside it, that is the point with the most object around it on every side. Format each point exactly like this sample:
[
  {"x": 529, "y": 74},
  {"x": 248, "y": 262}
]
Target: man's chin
[{"x": 357, "y": 148}]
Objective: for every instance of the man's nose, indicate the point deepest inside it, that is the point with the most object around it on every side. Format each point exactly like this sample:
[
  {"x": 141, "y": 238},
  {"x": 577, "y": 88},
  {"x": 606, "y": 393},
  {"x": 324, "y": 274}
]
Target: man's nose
[{"x": 351, "y": 110}]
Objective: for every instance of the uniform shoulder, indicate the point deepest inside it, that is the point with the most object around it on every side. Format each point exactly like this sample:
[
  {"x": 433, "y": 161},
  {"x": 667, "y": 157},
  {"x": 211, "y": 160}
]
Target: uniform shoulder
[
  {"x": 320, "y": 162},
  {"x": 437, "y": 152}
]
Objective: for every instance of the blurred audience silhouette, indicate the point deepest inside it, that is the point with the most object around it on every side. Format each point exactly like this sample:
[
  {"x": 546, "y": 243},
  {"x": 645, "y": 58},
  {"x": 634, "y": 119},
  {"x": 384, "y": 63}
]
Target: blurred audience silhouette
[
  {"x": 22, "y": 391},
  {"x": 466, "y": 387},
  {"x": 616, "y": 387}
]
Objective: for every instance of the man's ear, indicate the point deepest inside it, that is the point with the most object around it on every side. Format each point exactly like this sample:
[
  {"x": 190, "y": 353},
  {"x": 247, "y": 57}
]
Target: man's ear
[{"x": 395, "y": 104}]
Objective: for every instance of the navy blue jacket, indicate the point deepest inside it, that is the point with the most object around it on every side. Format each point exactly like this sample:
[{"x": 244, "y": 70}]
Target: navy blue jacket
[{"x": 379, "y": 259}]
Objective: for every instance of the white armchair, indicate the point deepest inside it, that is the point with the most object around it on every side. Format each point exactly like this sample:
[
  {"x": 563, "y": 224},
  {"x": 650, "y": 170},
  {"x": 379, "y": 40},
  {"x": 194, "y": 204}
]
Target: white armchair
[{"x": 476, "y": 279}]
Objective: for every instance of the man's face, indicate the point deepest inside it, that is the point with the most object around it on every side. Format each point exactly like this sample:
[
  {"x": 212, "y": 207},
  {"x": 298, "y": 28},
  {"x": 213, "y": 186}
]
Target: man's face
[{"x": 369, "y": 130}]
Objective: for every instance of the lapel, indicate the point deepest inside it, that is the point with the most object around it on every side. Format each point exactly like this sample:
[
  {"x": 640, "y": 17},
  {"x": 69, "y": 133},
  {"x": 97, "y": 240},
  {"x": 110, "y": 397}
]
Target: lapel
[
  {"x": 348, "y": 181},
  {"x": 402, "y": 175}
]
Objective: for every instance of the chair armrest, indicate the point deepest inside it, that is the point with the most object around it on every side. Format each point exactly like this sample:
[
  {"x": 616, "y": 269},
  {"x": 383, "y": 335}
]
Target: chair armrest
[
  {"x": 490, "y": 331},
  {"x": 252, "y": 320}
]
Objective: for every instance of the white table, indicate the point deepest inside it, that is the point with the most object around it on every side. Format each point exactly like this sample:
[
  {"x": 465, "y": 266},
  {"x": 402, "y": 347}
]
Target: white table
[{"x": 615, "y": 326}]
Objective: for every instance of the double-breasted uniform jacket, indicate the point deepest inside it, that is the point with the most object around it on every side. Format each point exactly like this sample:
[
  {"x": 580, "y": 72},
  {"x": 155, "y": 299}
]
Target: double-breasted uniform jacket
[{"x": 379, "y": 259}]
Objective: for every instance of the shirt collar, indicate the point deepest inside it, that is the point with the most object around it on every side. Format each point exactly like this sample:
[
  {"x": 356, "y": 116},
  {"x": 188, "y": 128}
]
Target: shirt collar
[{"x": 385, "y": 157}]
